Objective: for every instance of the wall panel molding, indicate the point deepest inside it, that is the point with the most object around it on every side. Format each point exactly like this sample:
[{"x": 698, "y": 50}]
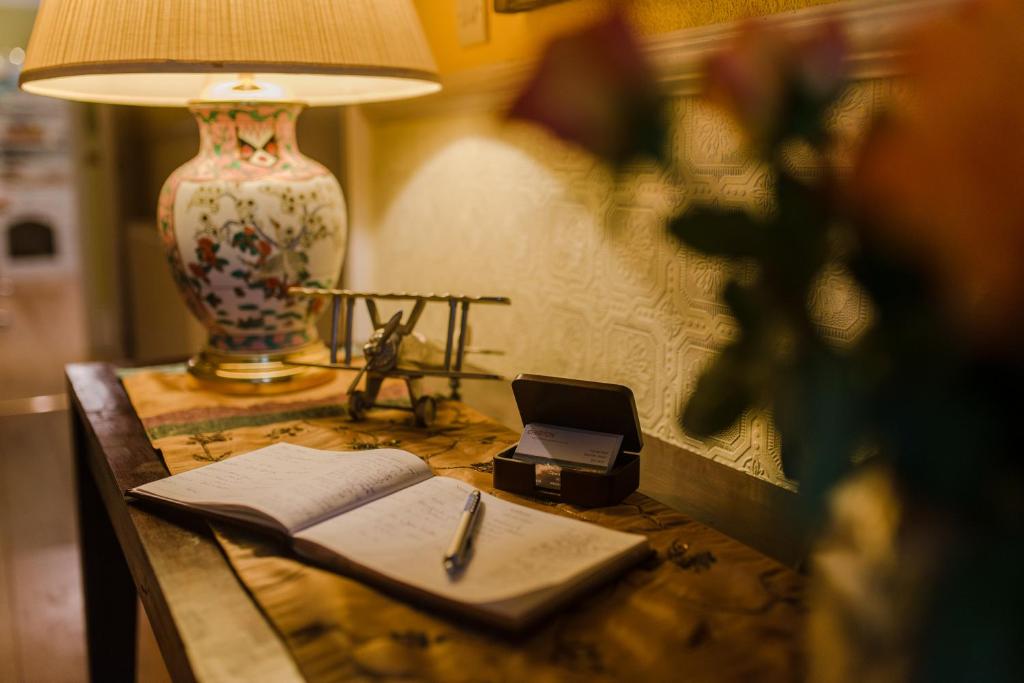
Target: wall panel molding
[{"x": 874, "y": 27}]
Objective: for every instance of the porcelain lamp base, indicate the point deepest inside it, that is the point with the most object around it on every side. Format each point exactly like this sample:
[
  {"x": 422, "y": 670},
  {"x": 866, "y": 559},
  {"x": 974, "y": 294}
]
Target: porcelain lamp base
[{"x": 244, "y": 221}]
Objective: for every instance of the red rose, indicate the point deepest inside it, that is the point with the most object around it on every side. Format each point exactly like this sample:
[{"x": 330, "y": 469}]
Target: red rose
[
  {"x": 767, "y": 75},
  {"x": 595, "y": 88}
]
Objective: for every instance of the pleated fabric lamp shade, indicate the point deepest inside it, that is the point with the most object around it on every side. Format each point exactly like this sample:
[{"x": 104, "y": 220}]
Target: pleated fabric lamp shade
[{"x": 171, "y": 52}]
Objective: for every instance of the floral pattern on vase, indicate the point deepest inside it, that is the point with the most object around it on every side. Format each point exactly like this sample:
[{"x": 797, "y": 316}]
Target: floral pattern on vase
[{"x": 246, "y": 219}]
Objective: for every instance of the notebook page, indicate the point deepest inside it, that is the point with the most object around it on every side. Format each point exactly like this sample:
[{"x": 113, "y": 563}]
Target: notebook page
[
  {"x": 293, "y": 485},
  {"x": 517, "y": 550}
]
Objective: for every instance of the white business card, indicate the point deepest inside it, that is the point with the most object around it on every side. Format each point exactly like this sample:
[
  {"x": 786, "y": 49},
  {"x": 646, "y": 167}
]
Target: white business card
[{"x": 569, "y": 447}]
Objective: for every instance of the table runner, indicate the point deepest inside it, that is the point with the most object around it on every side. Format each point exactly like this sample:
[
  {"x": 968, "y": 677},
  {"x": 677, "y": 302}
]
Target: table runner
[{"x": 706, "y": 608}]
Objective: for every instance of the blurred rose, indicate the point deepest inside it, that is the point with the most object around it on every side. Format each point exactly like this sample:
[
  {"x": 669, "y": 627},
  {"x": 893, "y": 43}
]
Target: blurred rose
[
  {"x": 941, "y": 181},
  {"x": 820, "y": 63},
  {"x": 767, "y": 79},
  {"x": 748, "y": 80},
  {"x": 595, "y": 88}
]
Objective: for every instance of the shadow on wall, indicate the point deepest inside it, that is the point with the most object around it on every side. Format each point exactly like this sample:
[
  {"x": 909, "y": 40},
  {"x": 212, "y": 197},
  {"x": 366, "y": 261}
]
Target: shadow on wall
[{"x": 598, "y": 289}]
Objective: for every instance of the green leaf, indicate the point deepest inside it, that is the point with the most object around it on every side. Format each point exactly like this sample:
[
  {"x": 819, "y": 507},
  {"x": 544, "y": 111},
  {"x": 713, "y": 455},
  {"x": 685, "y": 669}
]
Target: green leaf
[
  {"x": 723, "y": 393},
  {"x": 799, "y": 230},
  {"x": 808, "y": 114},
  {"x": 719, "y": 232},
  {"x": 818, "y": 412},
  {"x": 747, "y": 304}
]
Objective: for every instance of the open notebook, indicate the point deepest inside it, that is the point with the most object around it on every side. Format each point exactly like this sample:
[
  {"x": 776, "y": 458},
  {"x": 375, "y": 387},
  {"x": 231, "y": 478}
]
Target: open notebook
[{"x": 383, "y": 517}]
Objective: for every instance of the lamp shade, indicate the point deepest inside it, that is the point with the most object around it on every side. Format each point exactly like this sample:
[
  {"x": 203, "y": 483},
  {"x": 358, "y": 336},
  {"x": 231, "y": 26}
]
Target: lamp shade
[{"x": 172, "y": 52}]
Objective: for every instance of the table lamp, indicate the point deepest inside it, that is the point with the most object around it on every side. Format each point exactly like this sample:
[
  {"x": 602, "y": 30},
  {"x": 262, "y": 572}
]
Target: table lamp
[{"x": 249, "y": 216}]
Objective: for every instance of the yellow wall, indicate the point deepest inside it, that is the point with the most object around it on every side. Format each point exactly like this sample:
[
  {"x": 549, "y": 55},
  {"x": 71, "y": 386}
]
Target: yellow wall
[
  {"x": 511, "y": 36},
  {"x": 15, "y": 27},
  {"x": 520, "y": 36},
  {"x": 454, "y": 200},
  {"x": 659, "y": 16}
]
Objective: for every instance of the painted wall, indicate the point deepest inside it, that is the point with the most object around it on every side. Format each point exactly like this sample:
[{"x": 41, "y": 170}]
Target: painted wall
[
  {"x": 15, "y": 26},
  {"x": 462, "y": 202},
  {"x": 515, "y": 37},
  {"x": 467, "y": 204}
]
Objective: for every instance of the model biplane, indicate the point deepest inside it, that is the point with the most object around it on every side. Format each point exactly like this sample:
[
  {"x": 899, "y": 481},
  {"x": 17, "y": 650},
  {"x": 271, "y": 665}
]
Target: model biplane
[{"x": 384, "y": 354}]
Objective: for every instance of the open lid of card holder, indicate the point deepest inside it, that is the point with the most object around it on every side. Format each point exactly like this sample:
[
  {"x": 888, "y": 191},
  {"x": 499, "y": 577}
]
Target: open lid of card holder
[{"x": 596, "y": 406}]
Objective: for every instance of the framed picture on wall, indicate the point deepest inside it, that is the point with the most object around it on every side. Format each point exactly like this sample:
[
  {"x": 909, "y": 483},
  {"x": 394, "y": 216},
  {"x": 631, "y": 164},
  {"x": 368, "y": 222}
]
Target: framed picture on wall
[{"x": 509, "y": 6}]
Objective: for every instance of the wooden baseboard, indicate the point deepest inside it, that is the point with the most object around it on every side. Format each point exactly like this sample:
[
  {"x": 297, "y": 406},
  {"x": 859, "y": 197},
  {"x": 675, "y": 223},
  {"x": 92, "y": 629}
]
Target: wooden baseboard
[{"x": 753, "y": 511}]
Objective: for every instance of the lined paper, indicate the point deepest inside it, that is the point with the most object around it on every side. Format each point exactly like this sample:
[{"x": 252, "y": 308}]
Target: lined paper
[
  {"x": 517, "y": 550},
  {"x": 294, "y": 485}
]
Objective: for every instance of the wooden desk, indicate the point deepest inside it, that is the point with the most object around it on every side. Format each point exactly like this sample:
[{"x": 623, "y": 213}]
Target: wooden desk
[
  {"x": 206, "y": 625},
  {"x": 205, "y": 622}
]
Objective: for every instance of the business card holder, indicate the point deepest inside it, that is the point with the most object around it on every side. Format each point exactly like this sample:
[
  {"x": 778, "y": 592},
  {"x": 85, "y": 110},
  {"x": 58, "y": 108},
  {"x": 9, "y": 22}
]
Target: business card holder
[{"x": 594, "y": 406}]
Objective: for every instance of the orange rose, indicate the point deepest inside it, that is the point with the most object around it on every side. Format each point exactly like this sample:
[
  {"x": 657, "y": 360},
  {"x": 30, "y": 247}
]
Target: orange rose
[{"x": 941, "y": 180}]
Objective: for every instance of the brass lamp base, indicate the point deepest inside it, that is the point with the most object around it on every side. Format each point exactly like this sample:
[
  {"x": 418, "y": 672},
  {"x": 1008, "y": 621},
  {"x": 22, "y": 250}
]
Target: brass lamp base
[{"x": 260, "y": 373}]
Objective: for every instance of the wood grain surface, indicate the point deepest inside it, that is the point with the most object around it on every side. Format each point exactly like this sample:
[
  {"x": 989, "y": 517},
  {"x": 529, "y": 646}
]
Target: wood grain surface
[
  {"x": 206, "y": 624},
  {"x": 707, "y": 604}
]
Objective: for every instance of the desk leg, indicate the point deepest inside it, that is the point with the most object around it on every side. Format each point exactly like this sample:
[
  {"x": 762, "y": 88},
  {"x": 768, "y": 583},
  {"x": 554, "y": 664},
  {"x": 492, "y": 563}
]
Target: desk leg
[{"x": 110, "y": 599}]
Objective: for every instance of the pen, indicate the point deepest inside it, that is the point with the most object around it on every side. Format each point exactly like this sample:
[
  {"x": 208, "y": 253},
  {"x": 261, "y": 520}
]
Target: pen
[{"x": 458, "y": 550}]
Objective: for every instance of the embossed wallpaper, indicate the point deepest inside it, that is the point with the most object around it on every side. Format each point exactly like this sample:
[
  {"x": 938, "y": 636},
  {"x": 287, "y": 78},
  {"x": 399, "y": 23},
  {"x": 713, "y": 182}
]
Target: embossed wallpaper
[{"x": 469, "y": 204}]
